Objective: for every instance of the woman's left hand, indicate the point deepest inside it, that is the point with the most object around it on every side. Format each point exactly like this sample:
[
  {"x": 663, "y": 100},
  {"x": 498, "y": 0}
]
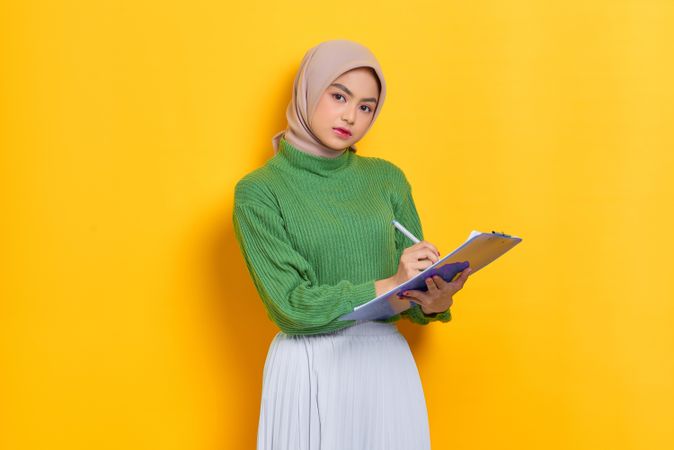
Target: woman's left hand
[{"x": 438, "y": 298}]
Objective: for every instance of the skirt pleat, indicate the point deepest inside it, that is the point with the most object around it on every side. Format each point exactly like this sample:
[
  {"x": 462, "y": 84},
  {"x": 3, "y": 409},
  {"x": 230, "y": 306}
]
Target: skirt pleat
[{"x": 357, "y": 388}]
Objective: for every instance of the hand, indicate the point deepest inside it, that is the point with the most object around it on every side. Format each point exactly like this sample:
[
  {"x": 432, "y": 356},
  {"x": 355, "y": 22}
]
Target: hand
[
  {"x": 415, "y": 259},
  {"x": 438, "y": 298}
]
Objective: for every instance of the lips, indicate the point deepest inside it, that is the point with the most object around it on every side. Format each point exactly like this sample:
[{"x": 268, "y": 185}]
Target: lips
[{"x": 344, "y": 131}]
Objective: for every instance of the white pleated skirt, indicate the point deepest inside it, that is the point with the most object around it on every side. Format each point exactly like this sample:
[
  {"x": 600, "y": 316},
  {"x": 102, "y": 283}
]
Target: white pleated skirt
[{"x": 353, "y": 389}]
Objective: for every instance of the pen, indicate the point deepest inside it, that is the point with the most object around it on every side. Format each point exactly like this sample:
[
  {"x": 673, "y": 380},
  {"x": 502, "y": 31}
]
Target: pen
[{"x": 405, "y": 231}]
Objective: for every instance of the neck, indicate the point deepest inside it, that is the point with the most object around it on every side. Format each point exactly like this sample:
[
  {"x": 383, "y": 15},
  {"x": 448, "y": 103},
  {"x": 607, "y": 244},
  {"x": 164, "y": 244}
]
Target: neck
[
  {"x": 326, "y": 153},
  {"x": 310, "y": 162},
  {"x": 308, "y": 145}
]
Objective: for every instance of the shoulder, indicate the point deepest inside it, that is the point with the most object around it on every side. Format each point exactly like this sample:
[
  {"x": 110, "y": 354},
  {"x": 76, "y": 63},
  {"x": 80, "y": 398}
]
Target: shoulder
[{"x": 255, "y": 186}]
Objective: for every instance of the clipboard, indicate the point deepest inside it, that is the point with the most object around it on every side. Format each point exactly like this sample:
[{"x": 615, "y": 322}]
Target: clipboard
[{"x": 476, "y": 252}]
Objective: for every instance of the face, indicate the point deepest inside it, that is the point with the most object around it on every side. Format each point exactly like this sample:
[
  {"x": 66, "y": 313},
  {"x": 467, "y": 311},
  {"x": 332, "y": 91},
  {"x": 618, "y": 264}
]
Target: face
[{"x": 348, "y": 103}]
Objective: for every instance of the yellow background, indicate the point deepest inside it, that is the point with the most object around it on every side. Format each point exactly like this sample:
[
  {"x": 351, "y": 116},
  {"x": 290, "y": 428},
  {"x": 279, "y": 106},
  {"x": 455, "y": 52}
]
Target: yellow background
[{"x": 128, "y": 319}]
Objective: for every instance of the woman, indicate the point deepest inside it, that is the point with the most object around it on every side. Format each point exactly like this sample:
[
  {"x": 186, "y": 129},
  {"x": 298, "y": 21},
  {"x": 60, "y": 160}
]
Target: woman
[{"x": 314, "y": 226}]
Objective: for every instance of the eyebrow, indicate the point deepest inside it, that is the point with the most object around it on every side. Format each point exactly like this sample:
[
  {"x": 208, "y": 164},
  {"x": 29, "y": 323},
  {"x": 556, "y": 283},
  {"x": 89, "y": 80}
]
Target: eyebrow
[{"x": 345, "y": 89}]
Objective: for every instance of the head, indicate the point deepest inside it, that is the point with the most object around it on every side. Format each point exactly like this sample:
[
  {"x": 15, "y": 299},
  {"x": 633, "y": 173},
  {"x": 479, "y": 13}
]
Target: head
[
  {"x": 339, "y": 84},
  {"x": 348, "y": 103}
]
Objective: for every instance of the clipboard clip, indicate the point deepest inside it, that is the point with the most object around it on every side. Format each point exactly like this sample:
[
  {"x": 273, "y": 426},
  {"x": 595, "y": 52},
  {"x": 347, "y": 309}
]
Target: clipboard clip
[{"x": 501, "y": 234}]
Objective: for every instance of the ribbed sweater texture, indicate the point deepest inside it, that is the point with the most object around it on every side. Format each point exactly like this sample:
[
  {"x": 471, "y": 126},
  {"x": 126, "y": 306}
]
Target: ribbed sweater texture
[{"x": 316, "y": 233}]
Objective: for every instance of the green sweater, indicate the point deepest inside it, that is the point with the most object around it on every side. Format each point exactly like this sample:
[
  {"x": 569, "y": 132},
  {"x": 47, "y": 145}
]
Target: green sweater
[{"x": 316, "y": 234}]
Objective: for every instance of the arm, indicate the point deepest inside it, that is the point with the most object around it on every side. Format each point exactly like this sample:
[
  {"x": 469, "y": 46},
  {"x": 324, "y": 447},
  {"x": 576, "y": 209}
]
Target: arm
[
  {"x": 285, "y": 280},
  {"x": 406, "y": 213}
]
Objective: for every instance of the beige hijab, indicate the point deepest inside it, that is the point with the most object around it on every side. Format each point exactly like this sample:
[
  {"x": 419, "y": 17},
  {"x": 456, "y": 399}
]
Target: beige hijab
[{"x": 321, "y": 65}]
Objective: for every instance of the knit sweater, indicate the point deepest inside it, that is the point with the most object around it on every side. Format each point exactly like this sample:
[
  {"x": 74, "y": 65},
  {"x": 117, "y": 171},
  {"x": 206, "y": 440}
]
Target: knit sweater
[{"x": 316, "y": 234}]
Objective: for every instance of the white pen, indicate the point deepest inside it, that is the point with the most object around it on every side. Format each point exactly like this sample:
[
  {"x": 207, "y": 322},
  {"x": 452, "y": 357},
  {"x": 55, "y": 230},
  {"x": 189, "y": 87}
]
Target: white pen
[{"x": 405, "y": 231}]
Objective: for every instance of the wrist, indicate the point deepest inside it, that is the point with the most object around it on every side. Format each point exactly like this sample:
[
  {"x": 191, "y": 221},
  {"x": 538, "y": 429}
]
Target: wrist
[
  {"x": 432, "y": 313},
  {"x": 429, "y": 313},
  {"x": 384, "y": 285}
]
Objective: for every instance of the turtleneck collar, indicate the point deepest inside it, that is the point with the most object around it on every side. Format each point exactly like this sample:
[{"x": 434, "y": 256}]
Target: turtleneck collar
[{"x": 320, "y": 165}]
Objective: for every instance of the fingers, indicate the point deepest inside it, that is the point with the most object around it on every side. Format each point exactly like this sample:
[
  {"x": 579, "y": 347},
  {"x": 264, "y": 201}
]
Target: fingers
[
  {"x": 423, "y": 250},
  {"x": 424, "y": 253},
  {"x": 459, "y": 282},
  {"x": 440, "y": 282},
  {"x": 464, "y": 275},
  {"x": 455, "y": 285},
  {"x": 432, "y": 247},
  {"x": 416, "y": 296},
  {"x": 428, "y": 254},
  {"x": 423, "y": 299},
  {"x": 428, "y": 245},
  {"x": 432, "y": 287},
  {"x": 420, "y": 265}
]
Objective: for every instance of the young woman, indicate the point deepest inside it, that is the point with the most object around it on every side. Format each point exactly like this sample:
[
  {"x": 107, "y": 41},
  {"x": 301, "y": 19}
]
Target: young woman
[{"x": 314, "y": 226}]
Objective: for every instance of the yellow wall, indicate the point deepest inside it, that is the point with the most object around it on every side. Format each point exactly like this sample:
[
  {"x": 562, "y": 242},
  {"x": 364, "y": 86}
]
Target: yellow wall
[{"x": 128, "y": 319}]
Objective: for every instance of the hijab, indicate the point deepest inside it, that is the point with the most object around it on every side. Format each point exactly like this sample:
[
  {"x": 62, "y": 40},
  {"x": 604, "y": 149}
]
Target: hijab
[{"x": 320, "y": 66}]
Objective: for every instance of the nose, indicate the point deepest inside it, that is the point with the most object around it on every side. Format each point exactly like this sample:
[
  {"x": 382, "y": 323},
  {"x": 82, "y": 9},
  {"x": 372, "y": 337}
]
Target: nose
[{"x": 349, "y": 115}]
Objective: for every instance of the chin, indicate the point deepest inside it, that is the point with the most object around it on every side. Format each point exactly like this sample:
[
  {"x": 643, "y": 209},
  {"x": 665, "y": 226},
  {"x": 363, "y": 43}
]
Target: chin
[
  {"x": 337, "y": 144},
  {"x": 341, "y": 147}
]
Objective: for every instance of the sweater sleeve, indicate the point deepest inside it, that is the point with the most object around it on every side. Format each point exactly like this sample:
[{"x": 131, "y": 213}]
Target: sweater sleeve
[
  {"x": 284, "y": 279},
  {"x": 406, "y": 213}
]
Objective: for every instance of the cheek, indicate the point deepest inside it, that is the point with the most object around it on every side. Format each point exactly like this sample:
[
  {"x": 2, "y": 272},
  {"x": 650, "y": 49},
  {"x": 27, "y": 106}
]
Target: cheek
[
  {"x": 324, "y": 113},
  {"x": 365, "y": 122}
]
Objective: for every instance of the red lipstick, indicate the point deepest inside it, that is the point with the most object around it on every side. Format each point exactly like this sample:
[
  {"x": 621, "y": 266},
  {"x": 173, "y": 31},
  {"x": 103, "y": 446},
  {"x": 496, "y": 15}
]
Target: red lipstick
[{"x": 342, "y": 132}]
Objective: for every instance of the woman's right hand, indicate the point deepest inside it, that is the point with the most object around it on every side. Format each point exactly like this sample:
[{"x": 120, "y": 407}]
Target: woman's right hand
[{"x": 415, "y": 259}]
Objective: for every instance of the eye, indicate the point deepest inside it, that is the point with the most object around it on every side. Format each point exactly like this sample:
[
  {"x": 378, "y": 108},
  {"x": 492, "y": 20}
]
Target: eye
[
  {"x": 337, "y": 95},
  {"x": 369, "y": 110}
]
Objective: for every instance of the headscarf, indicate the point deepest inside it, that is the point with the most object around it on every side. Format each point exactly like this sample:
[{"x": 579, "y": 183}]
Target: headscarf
[{"x": 320, "y": 66}]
